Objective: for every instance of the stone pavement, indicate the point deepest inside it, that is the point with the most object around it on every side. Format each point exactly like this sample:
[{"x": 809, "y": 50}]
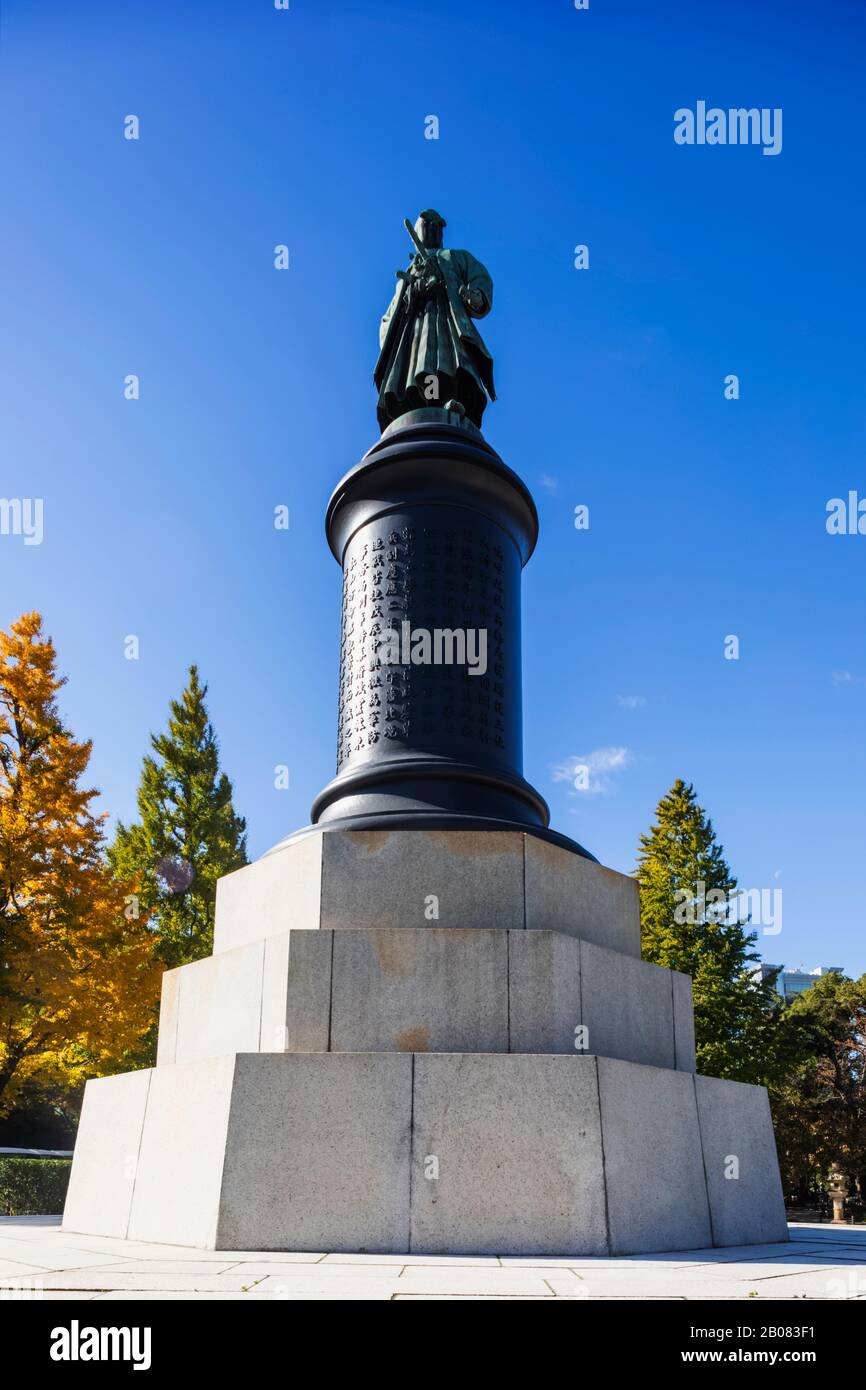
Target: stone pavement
[{"x": 37, "y": 1259}]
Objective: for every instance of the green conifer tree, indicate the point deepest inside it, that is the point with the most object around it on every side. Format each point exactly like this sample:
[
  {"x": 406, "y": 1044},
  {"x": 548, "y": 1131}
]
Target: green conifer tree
[
  {"x": 689, "y": 923},
  {"x": 187, "y": 835}
]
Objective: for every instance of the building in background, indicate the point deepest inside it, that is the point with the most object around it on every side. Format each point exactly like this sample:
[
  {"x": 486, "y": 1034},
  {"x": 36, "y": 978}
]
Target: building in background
[{"x": 790, "y": 983}]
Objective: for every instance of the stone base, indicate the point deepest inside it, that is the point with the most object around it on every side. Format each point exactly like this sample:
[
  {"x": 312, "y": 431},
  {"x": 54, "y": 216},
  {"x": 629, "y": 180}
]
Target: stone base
[
  {"x": 346, "y": 879},
  {"x": 443, "y": 989},
  {"x": 438, "y": 1153},
  {"x": 426, "y": 1041}
]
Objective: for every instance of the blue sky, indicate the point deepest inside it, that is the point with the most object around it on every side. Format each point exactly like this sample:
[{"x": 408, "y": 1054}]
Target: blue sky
[{"x": 707, "y": 516}]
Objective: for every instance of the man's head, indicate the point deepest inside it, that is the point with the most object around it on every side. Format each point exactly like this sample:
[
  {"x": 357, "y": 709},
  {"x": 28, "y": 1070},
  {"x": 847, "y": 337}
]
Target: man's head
[{"x": 429, "y": 228}]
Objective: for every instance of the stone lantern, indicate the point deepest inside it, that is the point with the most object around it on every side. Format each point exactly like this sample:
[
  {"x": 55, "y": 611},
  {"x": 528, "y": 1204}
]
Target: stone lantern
[{"x": 837, "y": 1189}]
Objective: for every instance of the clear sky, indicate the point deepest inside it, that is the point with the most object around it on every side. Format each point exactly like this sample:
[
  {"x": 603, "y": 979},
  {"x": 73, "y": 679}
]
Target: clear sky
[{"x": 707, "y": 516}]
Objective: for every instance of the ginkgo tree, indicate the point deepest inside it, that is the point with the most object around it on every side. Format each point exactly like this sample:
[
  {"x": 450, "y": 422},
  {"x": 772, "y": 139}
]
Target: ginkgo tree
[{"x": 78, "y": 977}]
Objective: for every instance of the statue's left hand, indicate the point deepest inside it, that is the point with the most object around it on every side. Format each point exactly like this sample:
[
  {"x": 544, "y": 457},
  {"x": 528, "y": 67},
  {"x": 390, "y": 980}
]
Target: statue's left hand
[{"x": 473, "y": 299}]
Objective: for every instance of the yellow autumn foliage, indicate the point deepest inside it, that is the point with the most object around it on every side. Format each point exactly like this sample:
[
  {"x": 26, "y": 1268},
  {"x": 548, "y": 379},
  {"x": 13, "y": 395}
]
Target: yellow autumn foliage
[{"x": 78, "y": 979}]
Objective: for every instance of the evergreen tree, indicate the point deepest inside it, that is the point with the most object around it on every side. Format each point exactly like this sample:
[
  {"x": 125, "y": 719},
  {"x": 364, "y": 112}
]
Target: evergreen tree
[
  {"x": 187, "y": 835},
  {"x": 78, "y": 983},
  {"x": 689, "y": 923}
]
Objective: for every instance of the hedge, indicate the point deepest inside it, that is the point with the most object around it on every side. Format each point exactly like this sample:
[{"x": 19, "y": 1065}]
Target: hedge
[{"x": 33, "y": 1186}]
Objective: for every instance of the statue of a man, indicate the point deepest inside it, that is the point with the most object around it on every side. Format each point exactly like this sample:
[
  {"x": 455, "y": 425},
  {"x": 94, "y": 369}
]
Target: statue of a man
[{"x": 431, "y": 352}]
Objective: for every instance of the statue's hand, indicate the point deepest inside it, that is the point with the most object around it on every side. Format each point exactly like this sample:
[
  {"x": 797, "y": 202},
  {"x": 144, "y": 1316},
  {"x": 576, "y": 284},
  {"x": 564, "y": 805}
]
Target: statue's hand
[{"x": 473, "y": 299}]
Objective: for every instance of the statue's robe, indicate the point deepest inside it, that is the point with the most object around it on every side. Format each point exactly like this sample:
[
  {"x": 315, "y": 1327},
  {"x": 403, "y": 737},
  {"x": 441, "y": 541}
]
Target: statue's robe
[{"x": 436, "y": 338}]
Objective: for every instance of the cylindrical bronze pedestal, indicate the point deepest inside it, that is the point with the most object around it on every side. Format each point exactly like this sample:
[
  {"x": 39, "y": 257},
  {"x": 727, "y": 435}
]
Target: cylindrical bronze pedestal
[{"x": 432, "y": 531}]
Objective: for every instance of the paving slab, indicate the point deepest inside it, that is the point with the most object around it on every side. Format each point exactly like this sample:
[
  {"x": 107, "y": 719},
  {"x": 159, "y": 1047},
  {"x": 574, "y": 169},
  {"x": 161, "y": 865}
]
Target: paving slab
[
  {"x": 322, "y": 1273},
  {"x": 203, "y": 1283},
  {"x": 55, "y": 1256},
  {"x": 366, "y": 1294},
  {"x": 438, "y": 1261},
  {"x": 347, "y": 1285},
  {"x": 820, "y": 1264},
  {"x": 65, "y": 1296},
  {"x": 172, "y": 1267},
  {"x": 10, "y": 1270}
]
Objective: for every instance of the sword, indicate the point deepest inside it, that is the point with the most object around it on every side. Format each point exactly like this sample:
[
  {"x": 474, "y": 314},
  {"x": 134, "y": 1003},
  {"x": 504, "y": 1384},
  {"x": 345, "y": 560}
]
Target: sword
[
  {"x": 430, "y": 262},
  {"x": 418, "y": 243}
]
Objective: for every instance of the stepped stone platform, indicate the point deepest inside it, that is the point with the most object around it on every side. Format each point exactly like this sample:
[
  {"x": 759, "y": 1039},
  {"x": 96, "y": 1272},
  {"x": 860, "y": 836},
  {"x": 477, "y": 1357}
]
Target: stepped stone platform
[{"x": 436, "y": 1042}]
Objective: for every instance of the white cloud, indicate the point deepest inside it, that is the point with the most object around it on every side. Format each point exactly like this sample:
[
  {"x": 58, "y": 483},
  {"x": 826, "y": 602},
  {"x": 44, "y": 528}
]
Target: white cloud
[
  {"x": 631, "y": 701},
  {"x": 601, "y": 765},
  {"x": 848, "y": 678},
  {"x": 549, "y": 484}
]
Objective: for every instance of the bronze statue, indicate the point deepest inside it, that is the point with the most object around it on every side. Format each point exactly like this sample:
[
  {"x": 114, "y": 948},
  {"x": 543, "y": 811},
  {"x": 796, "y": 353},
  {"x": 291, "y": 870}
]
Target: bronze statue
[{"x": 431, "y": 352}]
